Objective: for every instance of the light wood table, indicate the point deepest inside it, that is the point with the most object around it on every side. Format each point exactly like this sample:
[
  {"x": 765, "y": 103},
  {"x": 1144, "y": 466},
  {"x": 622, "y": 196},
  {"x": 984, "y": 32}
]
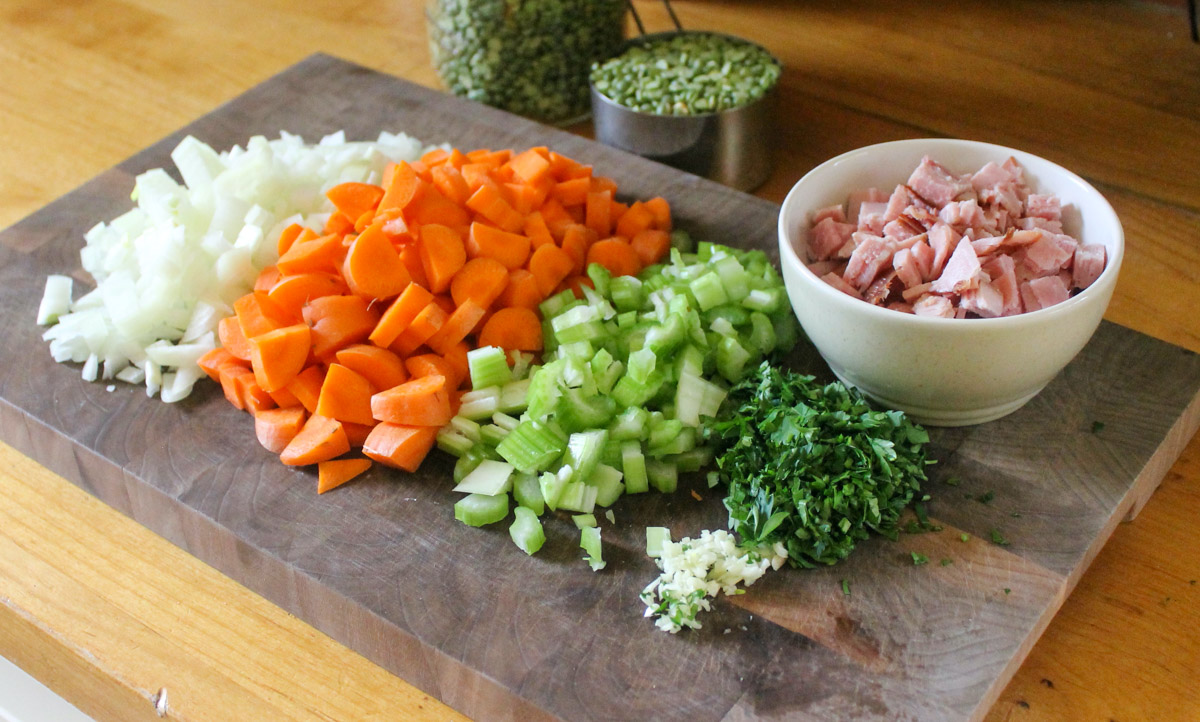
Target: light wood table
[{"x": 108, "y": 614}]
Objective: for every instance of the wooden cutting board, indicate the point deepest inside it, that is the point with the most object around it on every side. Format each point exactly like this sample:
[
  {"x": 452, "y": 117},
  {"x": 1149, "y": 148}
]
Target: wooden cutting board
[{"x": 461, "y": 613}]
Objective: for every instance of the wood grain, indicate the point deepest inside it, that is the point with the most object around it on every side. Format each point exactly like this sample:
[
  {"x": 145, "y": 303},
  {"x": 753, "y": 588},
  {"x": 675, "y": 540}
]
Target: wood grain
[
  {"x": 90, "y": 83},
  {"x": 374, "y": 566}
]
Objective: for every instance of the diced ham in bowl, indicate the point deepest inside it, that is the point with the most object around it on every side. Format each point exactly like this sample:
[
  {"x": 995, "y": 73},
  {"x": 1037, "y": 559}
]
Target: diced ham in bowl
[{"x": 978, "y": 245}]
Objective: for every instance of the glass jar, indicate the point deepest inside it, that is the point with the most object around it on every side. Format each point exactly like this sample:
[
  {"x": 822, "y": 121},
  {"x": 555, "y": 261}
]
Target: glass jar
[{"x": 530, "y": 57}]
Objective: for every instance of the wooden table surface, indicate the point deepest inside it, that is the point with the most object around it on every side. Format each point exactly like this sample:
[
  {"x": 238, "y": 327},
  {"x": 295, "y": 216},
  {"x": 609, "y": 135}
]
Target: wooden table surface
[{"x": 108, "y": 614}]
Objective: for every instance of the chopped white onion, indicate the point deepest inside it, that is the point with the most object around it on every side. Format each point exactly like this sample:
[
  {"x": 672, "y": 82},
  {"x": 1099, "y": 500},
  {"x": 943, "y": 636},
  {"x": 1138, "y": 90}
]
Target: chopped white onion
[{"x": 168, "y": 270}]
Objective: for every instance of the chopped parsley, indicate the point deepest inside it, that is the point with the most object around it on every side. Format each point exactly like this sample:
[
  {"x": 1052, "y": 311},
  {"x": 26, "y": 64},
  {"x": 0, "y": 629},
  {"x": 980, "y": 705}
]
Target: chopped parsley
[
  {"x": 986, "y": 497},
  {"x": 1097, "y": 427},
  {"x": 952, "y": 481},
  {"x": 998, "y": 538},
  {"x": 919, "y": 559},
  {"x": 813, "y": 466},
  {"x": 964, "y": 537},
  {"x": 846, "y": 587},
  {"x": 947, "y": 562}
]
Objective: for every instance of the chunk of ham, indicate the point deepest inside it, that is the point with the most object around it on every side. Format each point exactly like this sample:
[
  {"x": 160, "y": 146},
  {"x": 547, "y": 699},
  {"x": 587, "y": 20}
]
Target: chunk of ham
[
  {"x": 962, "y": 215},
  {"x": 962, "y": 271},
  {"x": 942, "y": 239},
  {"x": 1090, "y": 259},
  {"x": 1046, "y": 255},
  {"x": 923, "y": 255},
  {"x": 826, "y": 237},
  {"x": 935, "y": 184},
  {"x": 899, "y": 200},
  {"x": 985, "y": 300},
  {"x": 908, "y": 268},
  {"x": 836, "y": 281},
  {"x": 871, "y": 217},
  {"x": 857, "y": 198},
  {"x": 1046, "y": 207},
  {"x": 870, "y": 256},
  {"x": 837, "y": 213},
  {"x": 935, "y": 306},
  {"x": 1043, "y": 292},
  {"x": 1001, "y": 271}
]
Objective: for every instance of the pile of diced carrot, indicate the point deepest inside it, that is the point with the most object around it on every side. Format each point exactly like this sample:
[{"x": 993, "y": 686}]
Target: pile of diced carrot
[{"x": 357, "y": 338}]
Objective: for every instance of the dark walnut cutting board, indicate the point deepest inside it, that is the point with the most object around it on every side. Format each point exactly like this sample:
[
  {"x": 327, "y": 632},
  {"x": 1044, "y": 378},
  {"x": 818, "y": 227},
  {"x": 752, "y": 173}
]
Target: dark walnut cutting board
[{"x": 461, "y": 613}]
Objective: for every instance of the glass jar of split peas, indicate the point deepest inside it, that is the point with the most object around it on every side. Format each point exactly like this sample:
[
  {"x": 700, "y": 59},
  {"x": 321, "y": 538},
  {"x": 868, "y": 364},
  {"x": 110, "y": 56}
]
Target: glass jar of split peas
[{"x": 530, "y": 57}]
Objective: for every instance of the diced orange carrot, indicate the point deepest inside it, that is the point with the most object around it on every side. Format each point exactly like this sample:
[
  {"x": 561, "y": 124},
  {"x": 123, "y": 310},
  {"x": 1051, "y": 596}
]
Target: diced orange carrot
[
  {"x": 442, "y": 255},
  {"x": 284, "y": 398},
  {"x": 635, "y": 220},
  {"x": 513, "y": 329},
  {"x": 456, "y": 356},
  {"x": 430, "y": 364},
  {"x": 423, "y": 401},
  {"x": 399, "y": 316},
  {"x": 433, "y": 207},
  {"x": 529, "y": 166},
  {"x": 448, "y": 180},
  {"x": 338, "y": 321},
  {"x": 275, "y": 428},
  {"x": 306, "y": 387},
  {"x": 354, "y": 199},
  {"x": 662, "y": 213},
  {"x": 289, "y": 236},
  {"x": 616, "y": 255},
  {"x": 277, "y": 356},
  {"x": 597, "y": 214},
  {"x": 549, "y": 265},
  {"x": 254, "y": 398},
  {"x": 228, "y": 376},
  {"x": 521, "y": 291},
  {"x": 320, "y": 439},
  {"x": 402, "y": 188},
  {"x": 511, "y": 249},
  {"x": 481, "y": 280},
  {"x": 489, "y": 203},
  {"x": 572, "y": 192},
  {"x": 434, "y": 157},
  {"x": 335, "y": 472},
  {"x": 651, "y": 245},
  {"x": 576, "y": 241},
  {"x": 537, "y": 230},
  {"x": 401, "y": 447},
  {"x": 603, "y": 183},
  {"x": 290, "y": 293},
  {"x": 372, "y": 267},
  {"x": 457, "y": 326},
  {"x": 267, "y": 278},
  {"x": 212, "y": 362},
  {"x": 382, "y": 368},
  {"x": 338, "y": 224},
  {"x": 427, "y": 323},
  {"x": 357, "y": 434},
  {"x": 256, "y": 314},
  {"x": 345, "y": 396},
  {"x": 565, "y": 168},
  {"x": 319, "y": 254}
]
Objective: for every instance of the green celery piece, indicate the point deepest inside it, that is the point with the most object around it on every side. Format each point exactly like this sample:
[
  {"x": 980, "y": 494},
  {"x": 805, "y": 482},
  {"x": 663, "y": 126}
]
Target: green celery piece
[
  {"x": 692, "y": 460},
  {"x": 628, "y": 319},
  {"x": 492, "y": 435},
  {"x": 762, "y": 334},
  {"x": 764, "y": 300},
  {"x": 787, "y": 329},
  {"x": 555, "y": 304},
  {"x": 526, "y": 531},
  {"x": 552, "y": 485},
  {"x": 579, "y": 412},
  {"x": 735, "y": 314},
  {"x": 632, "y": 423},
  {"x": 488, "y": 478},
  {"x": 608, "y": 484},
  {"x": 663, "y": 431},
  {"x": 664, "y": 476},
  {"x": 656, "y": 536},
  {"x": 466, "y": 427},
  {"x": 662, "y": 339},
  {"x": 453, "y": 442},
  {"x": 488, "y": 366},
  {"x": 583, "y": 521},
  {"x": 480, "y": 510},
  {"x": 691, "y": 361},
  {"x": 544, "y": 390},
  {"x": 629, "y": 392},
  {"x": 479, "y": 403},
  {"x": 641, "y": 364},
  {"x": 532, "y": 446},
  {"x": 583, "y": 453},
  {"x": 514, "y": 396},
  {"x": 626, "y": 293},
  {"x": 601, "y": 279},
  {"x": 633, "y": 463},
  {"x": 467, "y": 463},
  {"x": 578, "y": 496},
  {"x": 528, "y": 493},
  {"x": 607, "y": 379},
  {"x": 696, "y": 397},
  {"x": 504, "y": 421},
  {"x": 731, "y": 359},
  {"x": 589, "y": 541},
  {"x": 708, "y": 291},
  {"x": 733, "y": 277},
  {"x": 681, "y": 241},
  {"x": 680, "y": 443}
]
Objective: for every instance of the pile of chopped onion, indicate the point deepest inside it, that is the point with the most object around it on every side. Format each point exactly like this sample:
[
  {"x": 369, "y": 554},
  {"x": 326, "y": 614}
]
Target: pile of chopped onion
[{"x": 167, "y": 271}]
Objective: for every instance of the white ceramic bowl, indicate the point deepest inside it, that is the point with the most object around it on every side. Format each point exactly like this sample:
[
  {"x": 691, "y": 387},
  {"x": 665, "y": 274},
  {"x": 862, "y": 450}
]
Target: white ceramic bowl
[{"x": 944, "y": 372}]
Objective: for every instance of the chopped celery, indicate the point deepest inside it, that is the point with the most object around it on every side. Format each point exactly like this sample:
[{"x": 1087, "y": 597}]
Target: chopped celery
[
  {"x": 709, "y": 291},
  {"x": 528, "y": 493},
  {"x": 663, "y": 475},
  {"x": 465, "y": 427},
  {"x": 578, "y": 496},
  {"x": 492, "y": 435},
  {"x": 532, "y": 446},
  {"x": 626, "y": 293},
  {"x": 731, "y": 359},
  {"x": 467, "y": 463},
  {"x": 488, "y": 366},
  {"x": 552, "y": 485},
  {"x": 589, "y": 541},
  {"x": 488, "y": 478},
  {"x": 453, "y": 442},
  {"x": 480, "y": 509},
  {"x": 601, "y": 279},
  {"x": 578, "y": 412},
  {"x": 480, "y": 403},
  {"x": 656, "y": 536},
  {"x": 526, "y": 531},
  {"x": 691, "y": 460},
  {"x": 632, "y": 423},
  {"x": 583, "y": 521},
  {"x": 608, "y": 484},
  {"x": 513, "y": 397},
  {"x": 633, "y": 463},
  {"x": 504, "y": 421},
  {"x": 583, "y": 453}
]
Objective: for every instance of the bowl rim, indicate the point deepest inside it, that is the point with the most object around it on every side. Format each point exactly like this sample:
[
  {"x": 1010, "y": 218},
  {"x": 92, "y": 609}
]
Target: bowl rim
[{"x": 1105, "y": 282}]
